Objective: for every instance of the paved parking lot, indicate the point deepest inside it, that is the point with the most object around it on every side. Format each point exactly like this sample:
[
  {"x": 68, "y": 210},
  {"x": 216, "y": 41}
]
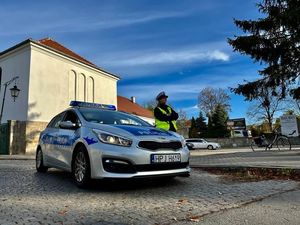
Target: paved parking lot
[{"x": 30, "y": 198}]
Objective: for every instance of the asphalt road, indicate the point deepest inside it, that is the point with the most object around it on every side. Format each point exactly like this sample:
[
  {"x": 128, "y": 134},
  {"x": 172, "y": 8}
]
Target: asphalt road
[{"x": 244, "y": 157}]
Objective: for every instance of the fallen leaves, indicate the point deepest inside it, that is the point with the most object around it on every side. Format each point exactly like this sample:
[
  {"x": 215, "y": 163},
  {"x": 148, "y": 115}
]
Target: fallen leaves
[
  {"x": 194, "y": 218},
  {"x": 256, "y": 174},
  {"x": 63, "y": 211},
  {"x": 182, "y": 201}
]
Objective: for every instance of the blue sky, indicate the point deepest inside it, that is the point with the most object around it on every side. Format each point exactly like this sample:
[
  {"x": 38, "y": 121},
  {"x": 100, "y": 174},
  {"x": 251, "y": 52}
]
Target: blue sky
[{"x": 153, "y": 45}]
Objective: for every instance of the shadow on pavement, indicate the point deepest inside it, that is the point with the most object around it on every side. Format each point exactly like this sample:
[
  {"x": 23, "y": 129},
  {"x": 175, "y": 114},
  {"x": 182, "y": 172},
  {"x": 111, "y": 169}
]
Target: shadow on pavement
[{"x": 54, "y": 177}]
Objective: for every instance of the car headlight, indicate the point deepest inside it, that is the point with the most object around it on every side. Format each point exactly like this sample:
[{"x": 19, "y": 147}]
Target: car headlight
[{"x": 112, "y": 139}]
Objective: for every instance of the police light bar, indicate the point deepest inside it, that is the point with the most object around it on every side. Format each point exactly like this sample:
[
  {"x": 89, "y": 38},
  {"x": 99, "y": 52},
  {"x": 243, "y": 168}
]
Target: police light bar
[{"x": 92, "y": 105}]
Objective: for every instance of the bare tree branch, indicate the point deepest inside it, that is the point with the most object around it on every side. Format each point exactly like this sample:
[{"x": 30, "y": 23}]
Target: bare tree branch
[{"x": 209, "y": 98}]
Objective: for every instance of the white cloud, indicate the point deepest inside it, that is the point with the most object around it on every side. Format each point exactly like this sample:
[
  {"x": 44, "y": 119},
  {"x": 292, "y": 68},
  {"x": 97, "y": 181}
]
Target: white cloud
[
  {"x": 184, "y": 56},
  {"x": 63, "y": 24},
  {"x": 191, "y": 108},
  {"x": 132, "y": 19},
  {"x": 156, "y": 60}
]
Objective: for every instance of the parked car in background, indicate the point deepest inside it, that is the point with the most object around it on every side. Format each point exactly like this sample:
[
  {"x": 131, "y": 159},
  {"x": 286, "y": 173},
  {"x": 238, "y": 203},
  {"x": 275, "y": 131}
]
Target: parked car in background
[
  {"x": 199, "y": 143},
  {"x": 241, "y": 133}
]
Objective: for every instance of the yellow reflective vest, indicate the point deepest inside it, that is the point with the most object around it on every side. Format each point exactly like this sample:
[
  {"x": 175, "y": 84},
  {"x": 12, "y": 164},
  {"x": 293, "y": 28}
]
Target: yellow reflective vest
[{"x": 165, "y": 125}]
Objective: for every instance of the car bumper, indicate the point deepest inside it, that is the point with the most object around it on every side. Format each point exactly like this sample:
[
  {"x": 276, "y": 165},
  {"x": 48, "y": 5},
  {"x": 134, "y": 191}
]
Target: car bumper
[{"x": 108, "y": 161}]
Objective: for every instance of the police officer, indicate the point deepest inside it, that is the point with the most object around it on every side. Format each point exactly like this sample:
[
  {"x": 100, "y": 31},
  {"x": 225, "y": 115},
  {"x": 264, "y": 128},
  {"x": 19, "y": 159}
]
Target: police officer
[{"x": 165, "y": 116}]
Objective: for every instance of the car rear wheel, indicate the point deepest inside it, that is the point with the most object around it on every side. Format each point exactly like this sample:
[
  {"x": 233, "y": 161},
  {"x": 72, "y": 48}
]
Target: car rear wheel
[
  {"x": 210, "y": 147},
  {"x": 81, "y": 168},
  {"x": 39, "y": 162}
]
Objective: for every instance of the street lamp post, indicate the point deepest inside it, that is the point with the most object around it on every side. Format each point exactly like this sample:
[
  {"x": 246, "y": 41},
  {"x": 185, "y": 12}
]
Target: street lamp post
[{"x": 14, "y": 93}]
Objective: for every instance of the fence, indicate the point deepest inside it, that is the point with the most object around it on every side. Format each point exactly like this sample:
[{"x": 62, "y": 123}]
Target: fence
[{"x": 20, "y": 137}]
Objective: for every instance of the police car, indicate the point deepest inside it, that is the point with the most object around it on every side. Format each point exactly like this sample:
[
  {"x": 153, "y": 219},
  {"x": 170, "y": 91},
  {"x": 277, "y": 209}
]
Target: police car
[{"x": 94, "y": 141}]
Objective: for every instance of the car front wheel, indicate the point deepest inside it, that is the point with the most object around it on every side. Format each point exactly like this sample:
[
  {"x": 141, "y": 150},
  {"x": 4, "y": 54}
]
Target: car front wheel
[
  {"x": 39, "y": 161},
  {"x": 210, "y": 147},
  {"x": 81, "y": 168}
]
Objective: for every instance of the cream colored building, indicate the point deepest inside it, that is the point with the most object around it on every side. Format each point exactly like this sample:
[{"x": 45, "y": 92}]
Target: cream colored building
[{"x": 50, "y": 77}]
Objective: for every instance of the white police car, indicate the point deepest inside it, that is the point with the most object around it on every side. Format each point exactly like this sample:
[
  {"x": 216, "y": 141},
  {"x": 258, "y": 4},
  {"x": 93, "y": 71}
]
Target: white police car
[{"x": 94, "y": 141}]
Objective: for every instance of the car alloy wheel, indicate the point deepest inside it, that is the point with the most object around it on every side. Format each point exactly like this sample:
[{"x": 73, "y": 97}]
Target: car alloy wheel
[
  {"x": 81, "y": 168},
  {"x": 210, "y": 147},
  {"x": 39, "y": 158},
  {"x": 39, "y": 163}
]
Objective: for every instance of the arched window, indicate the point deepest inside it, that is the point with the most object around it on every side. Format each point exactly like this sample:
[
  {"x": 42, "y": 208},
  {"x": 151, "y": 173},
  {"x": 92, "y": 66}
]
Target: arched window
[
  {"x": 90, "y": 90},
  {"x": 72, "y": 85},
  {"x": 81, "y": 96}
]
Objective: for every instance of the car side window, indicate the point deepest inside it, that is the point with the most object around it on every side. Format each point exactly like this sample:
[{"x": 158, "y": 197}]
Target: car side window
[
  {"x": 54, "y": 123},
  {"x": 200, "y": 141},
  {"x": 71, "y": 116},
  {"x": 50, "y": 124}
]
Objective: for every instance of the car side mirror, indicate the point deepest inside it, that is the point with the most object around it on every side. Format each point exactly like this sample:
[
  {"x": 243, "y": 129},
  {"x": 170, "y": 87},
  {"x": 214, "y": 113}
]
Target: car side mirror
[{"x": 67, "y": 125}]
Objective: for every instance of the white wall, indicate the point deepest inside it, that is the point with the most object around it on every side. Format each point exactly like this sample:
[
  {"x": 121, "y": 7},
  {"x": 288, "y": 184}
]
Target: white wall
[
  {"x": 15, "y": 63},
  {"x": 52, "y": 84}
]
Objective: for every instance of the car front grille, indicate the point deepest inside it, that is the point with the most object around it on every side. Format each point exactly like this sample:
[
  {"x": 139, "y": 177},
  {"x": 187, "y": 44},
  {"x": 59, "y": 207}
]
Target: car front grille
[{"x": 154, "y": 145}]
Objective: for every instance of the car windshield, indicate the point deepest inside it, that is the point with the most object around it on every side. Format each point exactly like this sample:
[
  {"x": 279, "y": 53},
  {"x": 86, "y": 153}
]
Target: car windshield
[{"x": 111, "y": 117}]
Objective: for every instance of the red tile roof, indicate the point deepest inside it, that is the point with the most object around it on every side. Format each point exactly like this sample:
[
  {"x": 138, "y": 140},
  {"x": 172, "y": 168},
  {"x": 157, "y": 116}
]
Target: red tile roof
[
  {"x": 55, "y": 46},
  {"x": 58, "y": 47},
  {"x": 126, "y": 105}
]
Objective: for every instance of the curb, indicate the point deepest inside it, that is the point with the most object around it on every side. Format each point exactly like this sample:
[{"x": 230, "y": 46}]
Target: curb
[
  {"x": 241, "y": 167},
  {"x": 17, "y": 157}
]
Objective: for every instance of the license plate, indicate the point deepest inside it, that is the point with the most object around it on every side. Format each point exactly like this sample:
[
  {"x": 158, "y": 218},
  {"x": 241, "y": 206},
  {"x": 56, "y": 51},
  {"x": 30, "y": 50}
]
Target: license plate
[{"x": 165, "y": 158}]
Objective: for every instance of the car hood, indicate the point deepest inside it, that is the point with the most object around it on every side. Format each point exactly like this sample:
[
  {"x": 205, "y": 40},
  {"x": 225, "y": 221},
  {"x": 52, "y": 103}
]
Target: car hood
[{"x": 136, "y": 132}]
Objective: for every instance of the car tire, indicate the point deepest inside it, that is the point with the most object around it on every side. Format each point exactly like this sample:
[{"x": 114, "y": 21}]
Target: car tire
[
  {"x": 210, "y": 147},
  {"x": 39, "y": 162},
  {"x": 81, "y": 168}
]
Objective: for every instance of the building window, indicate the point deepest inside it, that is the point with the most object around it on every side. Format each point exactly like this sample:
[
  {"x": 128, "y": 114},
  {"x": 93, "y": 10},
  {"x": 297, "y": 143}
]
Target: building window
[
  {"x": 90, "y": 90},
  {"x": 72, "y": 85},
  {"x": 81, "y": 94}
]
